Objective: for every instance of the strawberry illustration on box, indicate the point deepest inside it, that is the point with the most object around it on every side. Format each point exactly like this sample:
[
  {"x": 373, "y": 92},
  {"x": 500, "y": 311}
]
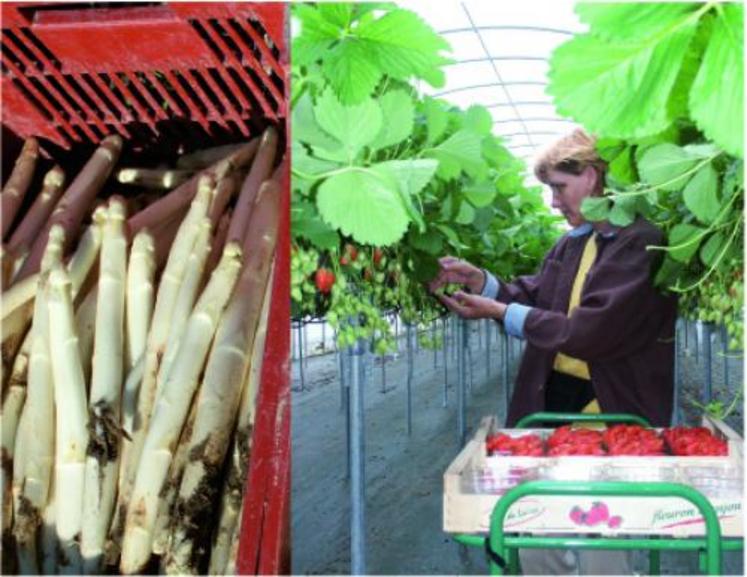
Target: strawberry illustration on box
[{"x": 597, "y": 515}]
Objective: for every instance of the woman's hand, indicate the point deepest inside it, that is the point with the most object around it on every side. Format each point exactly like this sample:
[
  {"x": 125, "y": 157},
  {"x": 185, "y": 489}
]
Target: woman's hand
[
  {"x": 455, "y": 271},
  {"x": 469, "y": 306}
]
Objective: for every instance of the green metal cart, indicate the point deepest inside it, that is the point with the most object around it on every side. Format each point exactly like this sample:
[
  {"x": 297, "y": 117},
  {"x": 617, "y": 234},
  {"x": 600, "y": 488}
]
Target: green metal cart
[{"x": 502, "y": 549}]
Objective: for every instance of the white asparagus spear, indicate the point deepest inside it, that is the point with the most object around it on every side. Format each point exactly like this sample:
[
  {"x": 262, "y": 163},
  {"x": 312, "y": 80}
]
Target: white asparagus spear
[
  {"x": 140, "y": 278},
  {"x": 32, "y": 473},
  {"x": 153, "y": 177},
  {"x": 233, "y": 551},
  {"x": 23, "y": 291},
  {"x": 49, "y": 535},
  {"x": 19, "y": 294},
  {"x": 185, "y": 300},
  {"x": 157, "y": 338},
  {"x": 102, "y": 463},
  {"x": 230, "y": 510},
  {"x": 171, "y": 411},
  {"x": 85, "y": 328},
  {"x": 219, "y": 395},
  {"x": 13, "y": 403},
  {"x": 162, "y": 532},
  {"x": 71, "y": 419}
]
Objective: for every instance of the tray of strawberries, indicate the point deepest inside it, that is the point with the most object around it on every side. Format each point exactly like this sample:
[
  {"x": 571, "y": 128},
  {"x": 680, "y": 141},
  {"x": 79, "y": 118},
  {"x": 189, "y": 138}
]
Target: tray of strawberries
[{"x": 617, "y": 440}]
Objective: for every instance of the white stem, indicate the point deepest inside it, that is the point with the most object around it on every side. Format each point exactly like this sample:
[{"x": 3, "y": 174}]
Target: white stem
[
  {"x": 18, "y": 295},
  {"x": 32, "y": 474},
  {"x": 164, "y": 520},
  {"x": 153, "y": 177},
  {"x": 217, "y": 403},
  {"x": 12, "y": 408},
  {"x": 49, "y": 535},
  {"x": 231, "y": 499},
  {"x": 157, "y": 338},
  {"x": 71, "y": 418},
  {"x": 102, "y": 462},
  {"x": 85, "y": 328},
  {"x": 185, "y": 300},
  {"x": 140, "y": 291},
  {"x": 171, "y": 411}
]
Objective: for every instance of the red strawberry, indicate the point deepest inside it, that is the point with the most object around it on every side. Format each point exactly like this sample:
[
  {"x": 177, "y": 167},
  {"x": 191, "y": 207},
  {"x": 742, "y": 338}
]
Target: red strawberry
[
  {"x": 577, "y": 515},
  {"x": 614, "y": 522},
  {"x": 324, "y": 279},
  {"x": 601, "y": 511}
]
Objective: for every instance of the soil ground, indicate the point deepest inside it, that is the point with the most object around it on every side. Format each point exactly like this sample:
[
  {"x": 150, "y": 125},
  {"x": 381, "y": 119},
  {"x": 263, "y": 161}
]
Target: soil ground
[{"x": 404, "y": 474}]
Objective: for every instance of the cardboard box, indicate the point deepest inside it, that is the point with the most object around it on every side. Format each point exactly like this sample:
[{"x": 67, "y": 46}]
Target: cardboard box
[{"x": 474, "y": 483}]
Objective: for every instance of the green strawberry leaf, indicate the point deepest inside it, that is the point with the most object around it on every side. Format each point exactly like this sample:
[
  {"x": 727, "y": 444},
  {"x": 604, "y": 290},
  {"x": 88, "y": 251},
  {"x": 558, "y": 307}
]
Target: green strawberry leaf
[
  {"x": 684, "y": 241},
  {"x": 364, "y": 205},
  {"x": 399, "y": 114},
  {"x": 717, "y": 94},
  {"x": 618, "y": 88},
  {"x": 667, "y": 166},
  {"x": 354, "y": 126},
  {"x": 701, "y": 194}
]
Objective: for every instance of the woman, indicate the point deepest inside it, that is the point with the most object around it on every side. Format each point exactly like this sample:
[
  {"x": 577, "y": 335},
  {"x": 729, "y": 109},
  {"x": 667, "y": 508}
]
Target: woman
[{"x": 599, "y": 336}]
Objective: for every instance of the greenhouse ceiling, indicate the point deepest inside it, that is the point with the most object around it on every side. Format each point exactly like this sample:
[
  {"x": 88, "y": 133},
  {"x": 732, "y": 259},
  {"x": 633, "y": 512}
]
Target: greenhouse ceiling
[{"x": 501, "y": 52}]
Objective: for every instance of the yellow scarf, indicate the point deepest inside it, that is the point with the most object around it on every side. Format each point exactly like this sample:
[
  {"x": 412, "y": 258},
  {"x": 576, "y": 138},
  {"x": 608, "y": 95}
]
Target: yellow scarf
[{"x": 564, "y": 363}]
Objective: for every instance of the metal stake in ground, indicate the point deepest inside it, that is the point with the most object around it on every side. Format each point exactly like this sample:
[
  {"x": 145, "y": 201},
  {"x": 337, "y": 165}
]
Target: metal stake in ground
[
  {"x": 433, "y": 344},
  {"x": 300, "y": 355},
  {"x": 505, "y": 357},
  {"x": 410, "y": 367},
  {"x": 383, "y": 373},
  {"x": 462, "y": 382},
  {"x": 708, "y": 389},
  {"x": 445, "y": 350},
  {"x": 487, "y": 348},
  {"x": 725, "y": 353},
  {"x": 677, "y": 370},
  {"x": 357, "y": 462}
]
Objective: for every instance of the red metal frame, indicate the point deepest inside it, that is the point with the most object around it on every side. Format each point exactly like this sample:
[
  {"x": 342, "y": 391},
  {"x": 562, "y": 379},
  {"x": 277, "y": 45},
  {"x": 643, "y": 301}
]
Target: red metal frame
[
  {"x": 75, "y": 75},
  {"x": 118, "y": 44}
]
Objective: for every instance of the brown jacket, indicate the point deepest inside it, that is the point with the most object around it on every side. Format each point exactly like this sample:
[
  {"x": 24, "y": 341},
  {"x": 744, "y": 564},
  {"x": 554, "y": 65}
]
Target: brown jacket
[{"x": 623, "y": 327}]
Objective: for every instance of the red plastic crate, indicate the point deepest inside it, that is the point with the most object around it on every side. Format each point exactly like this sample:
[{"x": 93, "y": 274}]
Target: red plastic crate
[
  {"x": 153, "y": 72},
  {"x": 168, "y": 77}
]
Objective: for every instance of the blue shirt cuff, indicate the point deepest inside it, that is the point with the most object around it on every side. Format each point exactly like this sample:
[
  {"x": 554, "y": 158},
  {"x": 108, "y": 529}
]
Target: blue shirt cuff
[
  {"x": 516, "y": 315},
  {"x": 490, "y": 289}
]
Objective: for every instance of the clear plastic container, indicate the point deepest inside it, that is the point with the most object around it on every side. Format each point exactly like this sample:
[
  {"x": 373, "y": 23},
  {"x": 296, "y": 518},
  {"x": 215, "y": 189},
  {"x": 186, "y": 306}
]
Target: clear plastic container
[
  {"x": 640, "y": 473},
  {"x": 716, "y": 481},
  {"x": 498, "y": 480}
]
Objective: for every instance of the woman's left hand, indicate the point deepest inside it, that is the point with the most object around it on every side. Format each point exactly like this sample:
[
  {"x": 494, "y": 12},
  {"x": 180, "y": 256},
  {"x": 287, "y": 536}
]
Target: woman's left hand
[{"x": 471, "y": 306}]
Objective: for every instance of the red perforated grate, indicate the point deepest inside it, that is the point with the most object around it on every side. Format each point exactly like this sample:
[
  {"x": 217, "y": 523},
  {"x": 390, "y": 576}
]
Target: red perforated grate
[{"x": 165, "y": 73}]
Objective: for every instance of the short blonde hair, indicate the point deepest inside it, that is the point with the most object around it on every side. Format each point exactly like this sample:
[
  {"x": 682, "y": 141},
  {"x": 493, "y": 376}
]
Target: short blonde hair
[{"x": 571, "y": 154}]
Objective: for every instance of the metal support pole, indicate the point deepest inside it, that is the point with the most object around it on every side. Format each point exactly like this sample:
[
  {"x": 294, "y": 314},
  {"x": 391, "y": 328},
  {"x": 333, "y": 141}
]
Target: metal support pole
[
  {"x": 697, "y": 339},
  {"x": 487, "y": 349},
  {"x": 676, "y": 416},
  {"x": 324, "y": 335},
  {"x": 435, "y": 349},
  {"x": 445, "y": 350},
  {"x": 348, "y": 433},
  {"x": 300, "y": 357},
  {"x": 505, "y": 370},
  {"x": 469, "y": 363},
  {"x": 462, "y": 384},
  {"x": 383, "y": 373},
  {"x": 410, "y": 367},
  {"x": 341, "y": 367},
  {"x": 725, "y": 352},
  {"x": 305, "y": 343},
  {"x": 357, "y": 462},
  {"x": 708, "y": 389}
]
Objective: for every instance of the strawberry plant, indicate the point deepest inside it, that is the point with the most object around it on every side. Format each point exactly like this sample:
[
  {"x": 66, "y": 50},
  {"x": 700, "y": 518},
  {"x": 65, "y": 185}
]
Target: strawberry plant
[
  {"x": 662, "y": 86},
  {"x": 399, "y": 177}
]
